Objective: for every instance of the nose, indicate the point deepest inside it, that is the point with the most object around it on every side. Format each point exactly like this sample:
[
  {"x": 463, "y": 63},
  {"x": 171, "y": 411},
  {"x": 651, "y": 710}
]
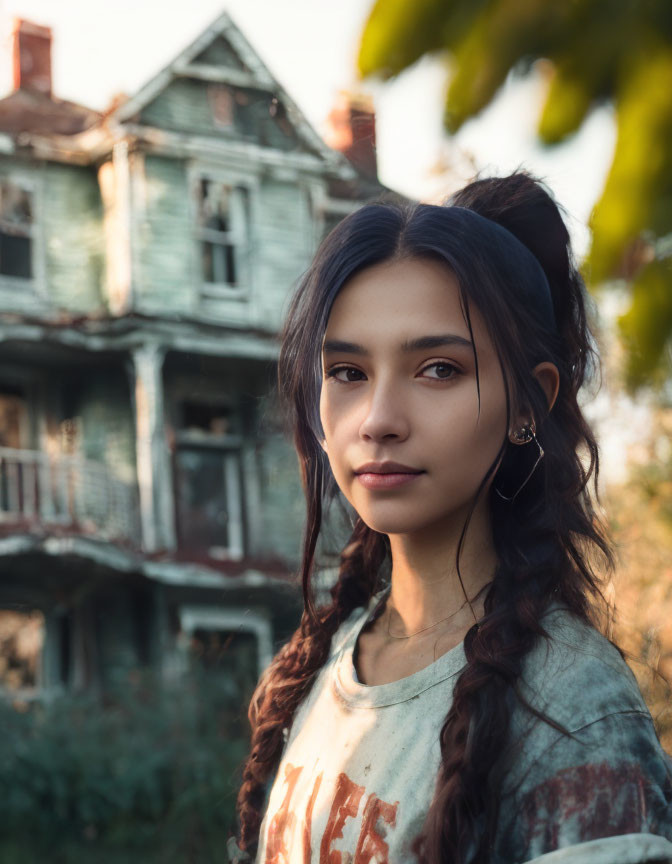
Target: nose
[{"x": 384, "y": 416}]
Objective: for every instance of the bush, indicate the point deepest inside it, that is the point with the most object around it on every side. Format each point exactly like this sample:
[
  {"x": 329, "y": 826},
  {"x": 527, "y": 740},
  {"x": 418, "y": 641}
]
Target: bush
[{"x": 147, "y": 774}]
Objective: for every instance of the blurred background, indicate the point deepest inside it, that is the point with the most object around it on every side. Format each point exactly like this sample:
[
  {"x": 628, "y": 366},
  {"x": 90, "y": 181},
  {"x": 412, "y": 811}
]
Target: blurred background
[{"x": 166, "y": 173}]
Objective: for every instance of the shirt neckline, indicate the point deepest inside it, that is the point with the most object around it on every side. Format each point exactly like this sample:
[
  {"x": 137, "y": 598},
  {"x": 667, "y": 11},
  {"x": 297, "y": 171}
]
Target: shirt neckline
[{"x": 348, "y": 687}]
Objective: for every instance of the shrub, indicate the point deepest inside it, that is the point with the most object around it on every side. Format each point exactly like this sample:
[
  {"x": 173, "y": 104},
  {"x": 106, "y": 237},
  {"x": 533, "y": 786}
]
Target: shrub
[{"x": 147, "y": 773}]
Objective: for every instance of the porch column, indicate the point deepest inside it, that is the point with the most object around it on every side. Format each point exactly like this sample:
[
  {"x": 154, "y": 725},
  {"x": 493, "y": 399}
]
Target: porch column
[{"x": 152, "y": 455}]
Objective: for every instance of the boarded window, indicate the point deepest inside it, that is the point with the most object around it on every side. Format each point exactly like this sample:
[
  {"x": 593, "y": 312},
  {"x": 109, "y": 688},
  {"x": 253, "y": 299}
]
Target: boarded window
[
  {"x": 16, "y": 229},
  {"x": 221, "y": 103},
  {"x": 223, "y": 233}
]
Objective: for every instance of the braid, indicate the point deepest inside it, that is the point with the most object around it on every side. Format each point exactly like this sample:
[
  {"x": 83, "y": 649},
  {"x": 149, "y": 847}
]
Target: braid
[{"x": 290, "y": 675}]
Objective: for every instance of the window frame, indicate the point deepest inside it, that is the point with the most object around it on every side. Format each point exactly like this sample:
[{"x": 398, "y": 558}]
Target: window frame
[
  {"x": 229, "y": 447},
  {"x": 241, "y": 235},
  {"x": 194, "y": 616},
  {"x": 32, "y": 183},
  {"x": 41, "y": 686}
]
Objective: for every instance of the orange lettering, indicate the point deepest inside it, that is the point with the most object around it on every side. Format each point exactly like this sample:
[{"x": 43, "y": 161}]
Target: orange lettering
[
  {"x": 345, "y": 803},
  {"x": 283, "y": 822},
  {"x": 307, "y": 845},
  {"x": 371, "y": 847}
]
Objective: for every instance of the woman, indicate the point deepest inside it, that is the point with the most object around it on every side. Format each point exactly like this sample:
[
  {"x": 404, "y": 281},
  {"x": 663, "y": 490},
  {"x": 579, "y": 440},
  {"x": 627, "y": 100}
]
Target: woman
[{"x": 455, "y": 701}]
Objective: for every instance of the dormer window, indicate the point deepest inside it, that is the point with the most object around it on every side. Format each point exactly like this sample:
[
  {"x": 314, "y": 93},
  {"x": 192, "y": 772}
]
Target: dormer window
[
  {"x": 223, "y": 232},
  {"x": 16, "y": 230}
]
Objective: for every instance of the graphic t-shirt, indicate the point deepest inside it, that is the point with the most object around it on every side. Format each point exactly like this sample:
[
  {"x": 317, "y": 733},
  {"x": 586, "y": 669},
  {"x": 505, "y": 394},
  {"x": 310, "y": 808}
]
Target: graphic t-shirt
[{"x": 359, "y": 766}]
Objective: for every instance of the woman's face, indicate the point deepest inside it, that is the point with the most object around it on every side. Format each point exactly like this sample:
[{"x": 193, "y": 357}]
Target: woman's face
[{"x": 385, "y": 398}]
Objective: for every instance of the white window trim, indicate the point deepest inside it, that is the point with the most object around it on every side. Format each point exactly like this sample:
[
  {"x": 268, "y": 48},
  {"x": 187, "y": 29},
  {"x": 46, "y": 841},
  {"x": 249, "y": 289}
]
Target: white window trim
[
  {"x": 197, "y": 171},
  {"x": 31, "y": 182},
  {"x": 214, "y": 617}
]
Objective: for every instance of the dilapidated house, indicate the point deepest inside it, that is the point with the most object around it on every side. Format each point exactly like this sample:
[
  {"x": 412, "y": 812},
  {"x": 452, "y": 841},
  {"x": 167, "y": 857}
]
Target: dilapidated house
[{"x": 149, "y": 504}]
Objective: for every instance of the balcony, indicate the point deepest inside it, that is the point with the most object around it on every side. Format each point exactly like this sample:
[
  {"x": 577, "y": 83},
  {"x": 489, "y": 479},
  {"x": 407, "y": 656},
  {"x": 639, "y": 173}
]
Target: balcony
[{"x": 67, "y": 492}]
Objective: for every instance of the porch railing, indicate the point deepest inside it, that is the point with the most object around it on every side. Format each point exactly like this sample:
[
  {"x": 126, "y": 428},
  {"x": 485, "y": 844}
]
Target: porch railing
[{"x": 67, "y": 491}]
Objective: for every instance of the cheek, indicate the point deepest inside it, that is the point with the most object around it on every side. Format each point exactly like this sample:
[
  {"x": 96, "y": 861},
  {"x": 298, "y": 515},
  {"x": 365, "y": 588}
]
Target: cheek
[
  {"x": 336, "y": 415},
  {"x": 469, "y": 441},
  {"x": 326, "y": 415},
  {"x": 331, "y": 428},
  {"x": 488, "y": 437}
]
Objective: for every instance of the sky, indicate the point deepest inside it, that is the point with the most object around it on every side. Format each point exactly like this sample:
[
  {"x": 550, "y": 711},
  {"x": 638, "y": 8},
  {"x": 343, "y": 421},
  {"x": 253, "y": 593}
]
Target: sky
[{"x": 102, "y": 48}]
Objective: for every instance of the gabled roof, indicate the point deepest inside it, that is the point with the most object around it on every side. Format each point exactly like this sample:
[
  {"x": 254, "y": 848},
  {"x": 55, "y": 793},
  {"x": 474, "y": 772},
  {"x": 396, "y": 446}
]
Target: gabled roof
[{"x": 222, "y": 54}]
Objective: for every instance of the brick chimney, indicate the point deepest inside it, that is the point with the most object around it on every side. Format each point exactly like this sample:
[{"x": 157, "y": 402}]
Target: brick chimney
[
  {"x": 352, "y": 131},
  {"x": 31, "y": 57}
]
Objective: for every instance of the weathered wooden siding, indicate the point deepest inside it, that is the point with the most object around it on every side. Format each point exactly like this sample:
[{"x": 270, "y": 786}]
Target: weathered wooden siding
[
  {"x": 163, "y": 278},
  {"x": 250, "y": 114},
  {"x": 284, "y": 245},
  {"x": 283, "y": 501},
  {"x": 220, "y": 53},
  {"x": 66, "y": 247},
  {"x": 167, "y": 276},
  {"x": 73, "y": 238}
]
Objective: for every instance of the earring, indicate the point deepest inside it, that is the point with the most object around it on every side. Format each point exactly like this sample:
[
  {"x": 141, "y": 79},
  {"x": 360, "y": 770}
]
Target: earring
[{"x": 524, "y": 435}]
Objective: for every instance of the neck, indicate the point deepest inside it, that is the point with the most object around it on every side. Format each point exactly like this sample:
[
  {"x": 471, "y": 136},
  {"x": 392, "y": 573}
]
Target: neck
[{"x": 425, "y": 584}]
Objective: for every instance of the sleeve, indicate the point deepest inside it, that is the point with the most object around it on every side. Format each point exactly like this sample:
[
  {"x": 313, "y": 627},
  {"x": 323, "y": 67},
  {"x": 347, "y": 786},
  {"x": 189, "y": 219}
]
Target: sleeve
[{"x": 603, "y": 796}]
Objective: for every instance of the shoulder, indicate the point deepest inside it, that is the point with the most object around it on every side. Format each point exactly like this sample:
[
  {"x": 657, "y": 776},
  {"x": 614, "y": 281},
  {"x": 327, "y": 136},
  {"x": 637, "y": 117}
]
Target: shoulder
[
  {"x": 606, "y": 775},
  {"x": 577, "y": 675},
  {"x": 586, "y": 705}
]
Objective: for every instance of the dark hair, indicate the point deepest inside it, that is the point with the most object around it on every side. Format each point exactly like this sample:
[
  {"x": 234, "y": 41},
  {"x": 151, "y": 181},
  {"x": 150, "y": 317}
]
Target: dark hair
[{"x": 544, "y": 538}]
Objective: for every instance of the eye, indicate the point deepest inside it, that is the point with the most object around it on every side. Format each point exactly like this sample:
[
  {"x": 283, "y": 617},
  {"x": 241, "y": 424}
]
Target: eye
[
  {"x": 333, "y": 372},
  {"x": 444, "y": 367}
]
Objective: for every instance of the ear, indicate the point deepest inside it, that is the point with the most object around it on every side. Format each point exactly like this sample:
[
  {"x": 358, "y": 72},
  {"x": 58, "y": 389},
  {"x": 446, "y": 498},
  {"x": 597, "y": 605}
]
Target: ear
[
  {"x": 323, "y": 444},
  {"x": 548, "y": 377}
]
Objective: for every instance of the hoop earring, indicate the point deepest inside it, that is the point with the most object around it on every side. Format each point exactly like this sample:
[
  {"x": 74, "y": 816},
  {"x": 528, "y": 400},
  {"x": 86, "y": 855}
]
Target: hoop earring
[{"x": 524, "y": 435}]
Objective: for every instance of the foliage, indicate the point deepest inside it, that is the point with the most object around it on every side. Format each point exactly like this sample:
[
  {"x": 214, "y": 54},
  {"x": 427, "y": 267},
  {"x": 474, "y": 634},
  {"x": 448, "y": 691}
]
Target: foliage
[
  {"x": 598, "y": 51},
  {"x": 149, "y": 776},
  {"x": 641, "y": 518}
]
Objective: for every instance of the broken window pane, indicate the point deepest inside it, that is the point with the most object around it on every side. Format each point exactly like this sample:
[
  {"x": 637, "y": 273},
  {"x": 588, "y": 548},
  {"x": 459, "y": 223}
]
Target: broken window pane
[
  {"x": 21, "y": 642},
  {"x": 222, "y": 216},
  {"x": 16, "y": 220}
]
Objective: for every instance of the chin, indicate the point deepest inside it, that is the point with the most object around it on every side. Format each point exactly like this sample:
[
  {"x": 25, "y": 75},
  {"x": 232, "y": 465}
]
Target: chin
[{"x": 399, "y": 523}]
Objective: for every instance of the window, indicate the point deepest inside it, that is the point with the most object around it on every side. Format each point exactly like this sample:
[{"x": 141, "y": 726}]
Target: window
[
  {"x": 227, "y": 649},
  {"x": 221, "y": 638},
  {"x": 223, "y": 214},
  {"x": 21, "y": 643},
  {"x": 207, "y": 485},
  {"x": 13, "y": 419},
  {"x": 221, "y": 105},
  {"x": 16, "y": 230}
]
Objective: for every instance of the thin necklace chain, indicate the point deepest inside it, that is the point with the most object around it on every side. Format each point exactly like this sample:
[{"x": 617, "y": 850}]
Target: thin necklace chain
[{"x": 392, "y": 636}]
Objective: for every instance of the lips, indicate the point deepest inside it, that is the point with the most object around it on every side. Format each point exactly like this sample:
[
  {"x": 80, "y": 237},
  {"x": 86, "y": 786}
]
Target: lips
[{"x": 387, "y": 467}]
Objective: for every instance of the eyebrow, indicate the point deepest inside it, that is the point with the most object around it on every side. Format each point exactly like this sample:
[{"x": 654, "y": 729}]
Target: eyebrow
[{"x": 337, "y": 346}]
